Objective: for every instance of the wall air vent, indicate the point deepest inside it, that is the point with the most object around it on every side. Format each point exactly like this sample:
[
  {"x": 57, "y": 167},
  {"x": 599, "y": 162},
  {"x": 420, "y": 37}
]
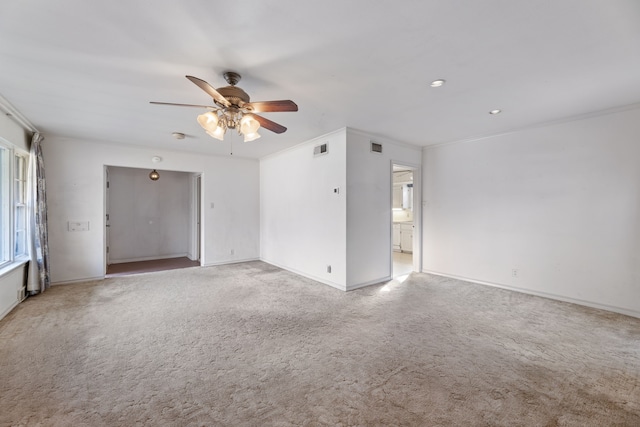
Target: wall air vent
[
  {"x": 376, "y": 147},
  {"x": 320, "y": 150}
]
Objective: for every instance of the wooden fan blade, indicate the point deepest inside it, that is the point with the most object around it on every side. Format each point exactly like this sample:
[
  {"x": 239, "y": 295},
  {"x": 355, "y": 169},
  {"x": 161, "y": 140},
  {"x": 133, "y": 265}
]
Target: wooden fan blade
[
  {"x": 210, "y": 90},
  {"x": 181, "y": 105},
  {"x": 269, "y": 125},
  {"x": 273, "y": 106}
]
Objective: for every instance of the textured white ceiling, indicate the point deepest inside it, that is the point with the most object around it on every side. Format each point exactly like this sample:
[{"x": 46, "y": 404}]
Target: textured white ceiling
[{"x": 88, "y": 69}]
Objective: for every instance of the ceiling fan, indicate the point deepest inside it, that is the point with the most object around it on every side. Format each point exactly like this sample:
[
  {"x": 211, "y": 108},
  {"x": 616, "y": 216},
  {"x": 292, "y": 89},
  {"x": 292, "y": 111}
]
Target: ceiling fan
[{"x": 233, "y": 110}]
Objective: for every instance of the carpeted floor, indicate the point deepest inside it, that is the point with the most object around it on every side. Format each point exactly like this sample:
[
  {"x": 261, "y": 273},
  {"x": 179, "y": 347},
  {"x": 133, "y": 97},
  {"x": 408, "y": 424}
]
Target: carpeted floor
[{"x": 252, "y": 345}]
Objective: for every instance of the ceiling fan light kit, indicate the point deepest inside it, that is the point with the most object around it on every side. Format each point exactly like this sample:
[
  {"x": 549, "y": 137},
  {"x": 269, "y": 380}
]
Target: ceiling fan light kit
[
  {"x": 234, "y": 111},
  {"x": 208, "y": 121},
  {"x": 249, "y": 128}
]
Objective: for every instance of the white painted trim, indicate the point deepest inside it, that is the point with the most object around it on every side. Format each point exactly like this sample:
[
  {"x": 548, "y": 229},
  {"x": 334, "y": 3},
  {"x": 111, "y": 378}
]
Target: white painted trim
[
  {"x": 308, "y": 276},
  {"x": 163, "y": 152},
  {"x": 16, "y": 115},
  {"x": 13, "y": 265},
  {"x": 78, "y": 281},
  {"x": 416, "y": 253},
  {"x": 369, "y": 283},
  {"x": 537, "y": 125},
  {"x": 620, "y": 310},
  {"x": 105, "y": 202},
  {"x": 382, "y": 140},
  {"x": 194, "y": 213},
  {"x": 235, "y": 261},
  {"x": 148, "y": 258}
]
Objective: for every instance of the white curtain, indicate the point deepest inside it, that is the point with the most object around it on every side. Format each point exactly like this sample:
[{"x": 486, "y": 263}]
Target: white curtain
[{"x": 38, "y": 276}]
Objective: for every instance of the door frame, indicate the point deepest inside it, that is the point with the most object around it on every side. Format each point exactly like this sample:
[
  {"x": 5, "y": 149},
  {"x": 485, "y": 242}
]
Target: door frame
[
  {"x": 105, "y": 218},
  {"x": 196, "y": 216},
  {"x": 417, "y": 213}
]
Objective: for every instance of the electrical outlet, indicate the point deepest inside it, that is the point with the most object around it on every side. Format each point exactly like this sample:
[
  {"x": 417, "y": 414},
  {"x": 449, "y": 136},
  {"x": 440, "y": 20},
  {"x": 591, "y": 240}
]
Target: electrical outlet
[
  {"x": 515, "y": 272},
  {"x": 328, "y": 269},
  {"x": 233, "y": 252}
]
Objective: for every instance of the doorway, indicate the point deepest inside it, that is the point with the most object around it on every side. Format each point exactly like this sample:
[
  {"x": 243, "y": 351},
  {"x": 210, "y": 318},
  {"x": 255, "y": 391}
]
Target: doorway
[
  {"x": 151, "y": 225},
  {"x": 405, "y": 257}
]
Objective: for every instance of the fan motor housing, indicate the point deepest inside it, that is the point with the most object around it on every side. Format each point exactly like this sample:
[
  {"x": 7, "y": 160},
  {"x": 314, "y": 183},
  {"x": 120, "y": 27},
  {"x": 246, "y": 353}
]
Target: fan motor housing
[{"x": 234, "y": 94}]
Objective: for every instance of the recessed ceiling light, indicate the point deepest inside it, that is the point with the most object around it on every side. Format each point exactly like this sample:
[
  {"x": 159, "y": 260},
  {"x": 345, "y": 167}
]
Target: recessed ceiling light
[
  {"x": 178, "y": 135},
  {"x": 496, "y": 111},
  {"x": 437, "y": 83}
]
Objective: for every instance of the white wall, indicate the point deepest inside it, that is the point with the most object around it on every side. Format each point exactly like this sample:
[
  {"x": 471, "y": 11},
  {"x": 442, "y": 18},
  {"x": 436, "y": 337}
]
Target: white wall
[
  {"x": 13, "y": 280},
  {"x": 75, "y": 192},
  {"x": 559, "y": 203},
  {"x": 305, "y": 226},
  {"x": 369, "y": 206},
  {"x": 148, "y": 219},
  {"x": 302, "y": 220}
]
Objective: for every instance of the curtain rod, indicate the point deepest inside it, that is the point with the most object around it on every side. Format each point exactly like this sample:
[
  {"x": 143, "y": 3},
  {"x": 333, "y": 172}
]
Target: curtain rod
[{"x": 11, "y": 112}]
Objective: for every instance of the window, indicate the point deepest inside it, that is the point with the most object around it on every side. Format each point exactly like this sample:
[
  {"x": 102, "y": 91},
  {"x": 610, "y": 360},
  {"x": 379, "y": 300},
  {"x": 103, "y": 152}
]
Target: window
[
  {"x": 5, "y": 211},
  {"x": 13, "y": 208},
  {"x": 20, "y": 205}
]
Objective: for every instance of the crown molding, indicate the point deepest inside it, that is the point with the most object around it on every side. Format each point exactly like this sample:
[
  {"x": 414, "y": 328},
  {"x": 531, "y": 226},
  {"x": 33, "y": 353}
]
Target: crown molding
[
  {"x": 13, "y": 113},
  {"x": 563, "y": 120}
]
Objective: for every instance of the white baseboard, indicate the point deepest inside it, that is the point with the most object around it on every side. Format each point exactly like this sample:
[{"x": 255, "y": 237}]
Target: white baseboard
[
  {"x": 147, "y": 258},
  {"x": 308, "y": 276},
  {"x": 369, "y": 283},
  {"x": 620, "y": 310},
  {"x": 235, "y": 261},
  {"x": 76, "y": 281}
]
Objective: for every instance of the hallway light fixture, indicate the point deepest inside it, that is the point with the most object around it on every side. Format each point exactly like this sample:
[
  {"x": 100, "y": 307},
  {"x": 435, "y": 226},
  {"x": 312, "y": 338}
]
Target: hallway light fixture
[{"x": 154, "y": 175}]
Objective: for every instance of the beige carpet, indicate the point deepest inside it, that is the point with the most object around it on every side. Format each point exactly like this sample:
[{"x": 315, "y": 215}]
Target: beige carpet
[{"x": 252, "y": 345}]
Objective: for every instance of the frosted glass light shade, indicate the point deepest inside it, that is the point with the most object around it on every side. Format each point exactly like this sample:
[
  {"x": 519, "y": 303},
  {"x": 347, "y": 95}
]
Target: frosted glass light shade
[
  {"x": 218, "y": 133},
  {"x": 249, "y": 125},
  {"x": 208, "y": 121},
  {"x": 248, "y": 137}
]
